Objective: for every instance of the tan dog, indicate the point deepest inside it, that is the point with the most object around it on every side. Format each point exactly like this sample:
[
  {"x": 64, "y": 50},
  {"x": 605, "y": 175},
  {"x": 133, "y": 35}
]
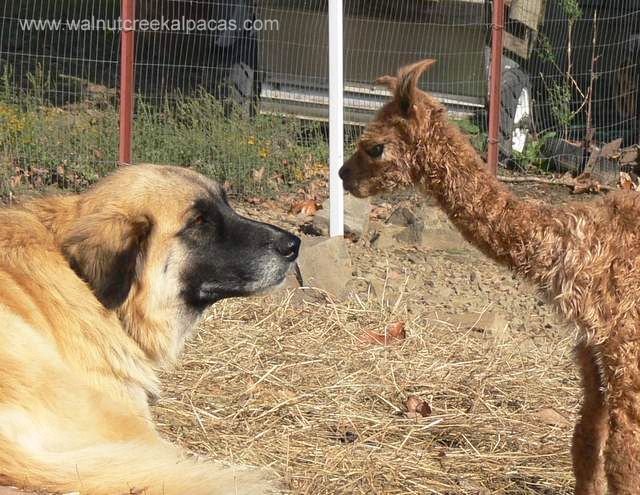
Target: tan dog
[
  {"x": 97, "y": 292},
  {"x": 584, "y": 256}
]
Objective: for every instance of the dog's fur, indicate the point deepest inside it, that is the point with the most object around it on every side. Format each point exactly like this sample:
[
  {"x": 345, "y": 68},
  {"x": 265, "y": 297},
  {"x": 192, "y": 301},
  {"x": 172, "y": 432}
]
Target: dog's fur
[
  {"x": 585, "y": 256},
  {"x": 98, "y": 291}
]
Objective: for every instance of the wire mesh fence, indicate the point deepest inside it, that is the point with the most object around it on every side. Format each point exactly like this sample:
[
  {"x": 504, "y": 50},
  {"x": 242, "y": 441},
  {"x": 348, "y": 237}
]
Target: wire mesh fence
[
  {"x": 239, "y": 89},
  {"x": 582, "y": 68},
  {"x": 57, "y": 94}
]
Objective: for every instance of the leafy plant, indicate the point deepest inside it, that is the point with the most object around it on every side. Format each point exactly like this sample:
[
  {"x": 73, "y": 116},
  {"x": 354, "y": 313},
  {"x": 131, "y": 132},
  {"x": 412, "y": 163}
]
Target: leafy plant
[
  {"x": 561, "y": 94},
  {"x": 6, "y": 84},
  {"x": 71, "y": 147},
  {"x": 572, "y": 10},
  {"x": 560, "y": 98},
  {"x": 477, "y": 137},
  {"x": 532, "y": 155}
]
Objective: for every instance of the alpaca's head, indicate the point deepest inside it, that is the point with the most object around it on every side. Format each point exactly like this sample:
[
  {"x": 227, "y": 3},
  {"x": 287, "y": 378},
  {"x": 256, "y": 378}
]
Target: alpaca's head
[{"x": 391, "y": 147}]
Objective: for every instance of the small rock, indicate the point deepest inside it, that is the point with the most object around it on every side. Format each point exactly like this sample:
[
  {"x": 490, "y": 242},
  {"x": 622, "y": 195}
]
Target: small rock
[
  {"x": 385, "y": 237},
  {"x": 402, "y": 216},
  {"x": 413, "y": 234},
  {"x": 306, "y": 295},
  {"x": 405, "y": 228},
  {"x": 414, "y": 258},
  {"x": 316, "y": 228},
  {"x": 487, "y": 322},
  {"x": 356, "y": 216},
  {"x": 444, "y": 293},
  {"x": 386, "y": 293},
  {"x": 434, "y": 218},
  {"x": 552, "y": 417},
  {"x": 443, "y": 240},
  {"x": 600, "y": 165},
  {"x": 325, "y": 264}
]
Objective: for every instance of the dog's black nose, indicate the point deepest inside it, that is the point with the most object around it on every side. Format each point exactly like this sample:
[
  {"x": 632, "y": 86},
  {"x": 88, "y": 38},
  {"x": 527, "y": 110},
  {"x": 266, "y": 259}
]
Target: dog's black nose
[
  {"x": 344, "y": 172},
  {"x": 288, "y": 246}
]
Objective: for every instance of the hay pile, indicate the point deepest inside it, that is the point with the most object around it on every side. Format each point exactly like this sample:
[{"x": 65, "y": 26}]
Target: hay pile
[{"x": 287, "y": 384}]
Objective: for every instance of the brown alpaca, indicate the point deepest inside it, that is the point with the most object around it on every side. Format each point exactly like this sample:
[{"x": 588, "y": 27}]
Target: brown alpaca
[{"x": 585, "y": 257}]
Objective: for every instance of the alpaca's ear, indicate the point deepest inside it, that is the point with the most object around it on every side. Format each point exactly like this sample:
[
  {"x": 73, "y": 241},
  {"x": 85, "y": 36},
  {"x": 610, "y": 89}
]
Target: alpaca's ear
[
  {"x": 408, "y": 78},
  {"x": 107, "y": 250},
  {"x": 390, "y": 82}
]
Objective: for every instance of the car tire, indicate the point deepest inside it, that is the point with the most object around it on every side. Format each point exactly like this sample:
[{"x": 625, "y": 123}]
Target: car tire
[{"x": 515, "y": 111}]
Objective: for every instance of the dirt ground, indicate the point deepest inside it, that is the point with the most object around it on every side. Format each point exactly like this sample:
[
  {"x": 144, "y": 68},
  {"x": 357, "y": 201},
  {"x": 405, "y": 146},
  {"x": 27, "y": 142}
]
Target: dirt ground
[{"x": 286, "y": 382}]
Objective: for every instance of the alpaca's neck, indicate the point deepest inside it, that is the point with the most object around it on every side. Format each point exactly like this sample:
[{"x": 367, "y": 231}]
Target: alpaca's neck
[{"x": 489, "y": 215}]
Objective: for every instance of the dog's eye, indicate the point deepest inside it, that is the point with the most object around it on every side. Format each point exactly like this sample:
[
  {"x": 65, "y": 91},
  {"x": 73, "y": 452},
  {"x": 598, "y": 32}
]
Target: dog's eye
[
  {"x": 199, "y": 220},
  {"x": 376, "y": 151}
]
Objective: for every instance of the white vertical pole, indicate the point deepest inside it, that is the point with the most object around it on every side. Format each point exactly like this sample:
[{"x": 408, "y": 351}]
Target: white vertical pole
[{"x": 336, "y": 118}]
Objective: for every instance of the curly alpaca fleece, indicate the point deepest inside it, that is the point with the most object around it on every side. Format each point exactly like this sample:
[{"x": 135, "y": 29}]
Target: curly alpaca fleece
[{"x": 585, "y": 257}]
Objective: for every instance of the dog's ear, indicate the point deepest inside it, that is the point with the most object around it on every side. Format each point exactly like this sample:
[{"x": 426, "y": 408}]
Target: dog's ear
[
  {"x": 107, "y": 250},
  {"x": 407, "y": 86}
]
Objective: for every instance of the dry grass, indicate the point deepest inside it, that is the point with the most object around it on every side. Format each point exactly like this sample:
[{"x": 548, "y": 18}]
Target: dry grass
[{"x": 286, "y": 384}]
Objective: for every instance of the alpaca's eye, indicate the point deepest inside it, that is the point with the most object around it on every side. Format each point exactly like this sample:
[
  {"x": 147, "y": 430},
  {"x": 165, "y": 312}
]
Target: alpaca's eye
[{"x": 376, "y": 151}]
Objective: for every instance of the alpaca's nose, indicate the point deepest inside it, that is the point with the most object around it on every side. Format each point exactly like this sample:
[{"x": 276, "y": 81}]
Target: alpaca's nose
[{"x": 345, "y": 172}]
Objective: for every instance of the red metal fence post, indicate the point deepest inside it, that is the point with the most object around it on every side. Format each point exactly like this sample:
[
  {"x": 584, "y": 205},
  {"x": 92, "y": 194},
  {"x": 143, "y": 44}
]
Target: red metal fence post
[
  {"x": 127, "y": 55},
  {"x": 495, "y": 85}
]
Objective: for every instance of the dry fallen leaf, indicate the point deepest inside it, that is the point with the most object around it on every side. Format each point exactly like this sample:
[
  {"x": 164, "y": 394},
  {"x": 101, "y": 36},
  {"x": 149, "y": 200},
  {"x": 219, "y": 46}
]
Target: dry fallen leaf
[
  {"x": 585, "y": 183},
  {"x": 370, "y": 337},
  {"x": 307, "y": 207},
  {"x": 416, "y": 407},
  {"x": 396, "y": 330},
  {"x": 393, "y": 333},
  {"x": 626, "y": 182}
]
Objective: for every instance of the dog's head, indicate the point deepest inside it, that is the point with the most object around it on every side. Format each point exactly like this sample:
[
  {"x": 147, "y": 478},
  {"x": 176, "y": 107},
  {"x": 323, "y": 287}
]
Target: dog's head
[
  {"x": 386, "y": 156},
  {"x": 160, "y": 244}
]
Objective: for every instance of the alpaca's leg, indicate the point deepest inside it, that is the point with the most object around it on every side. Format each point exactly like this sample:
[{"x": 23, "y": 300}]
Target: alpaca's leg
[
  {"x": 590, "y": 434},
  {"x": 621, "y": 362}
]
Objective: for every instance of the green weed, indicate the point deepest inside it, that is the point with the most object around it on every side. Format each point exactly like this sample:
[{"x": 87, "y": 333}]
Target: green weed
[
  {"x": 532, "y": 155},
  {"x": 73, "y": 146}
]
